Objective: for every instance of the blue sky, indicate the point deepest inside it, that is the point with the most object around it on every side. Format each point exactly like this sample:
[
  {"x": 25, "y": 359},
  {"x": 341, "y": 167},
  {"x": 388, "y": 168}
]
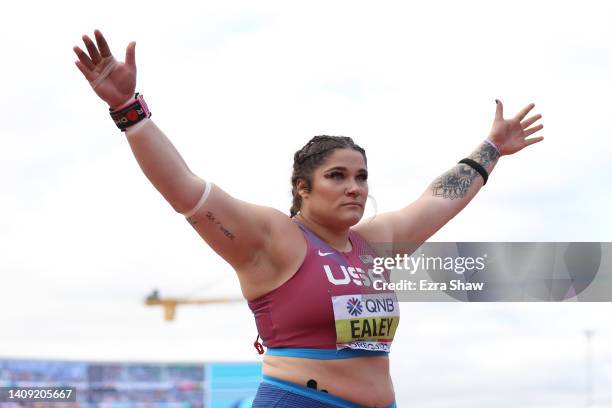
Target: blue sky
[{"x": 239, "y": 87}]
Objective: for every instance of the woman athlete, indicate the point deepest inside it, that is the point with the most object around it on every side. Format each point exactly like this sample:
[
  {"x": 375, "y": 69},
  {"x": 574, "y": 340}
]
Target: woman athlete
[{"x": 306, "y": 277}]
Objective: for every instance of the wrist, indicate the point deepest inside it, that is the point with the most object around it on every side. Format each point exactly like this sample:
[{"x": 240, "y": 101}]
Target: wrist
[
  {"x": 492, "y": 144},
  {"x": 131, "y": 113},
  {"x": 121, "y": 105},
  {"x": 478, "y": 167},
  {"x": 133, "y": 128}
]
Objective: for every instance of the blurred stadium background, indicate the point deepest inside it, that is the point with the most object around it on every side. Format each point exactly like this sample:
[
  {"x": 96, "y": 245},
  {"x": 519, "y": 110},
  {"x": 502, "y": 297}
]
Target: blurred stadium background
[{"x": 136, "y": 384}]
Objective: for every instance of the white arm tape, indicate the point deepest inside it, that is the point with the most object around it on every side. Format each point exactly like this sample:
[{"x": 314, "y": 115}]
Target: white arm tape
[{"x": 202, "y": 200}]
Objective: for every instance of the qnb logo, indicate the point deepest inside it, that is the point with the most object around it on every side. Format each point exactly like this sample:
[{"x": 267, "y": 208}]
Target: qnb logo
[
  {"x": 354, "y": 306},
  {"x": 346, "y": 275},
  {"x": 380, "y": 305}
]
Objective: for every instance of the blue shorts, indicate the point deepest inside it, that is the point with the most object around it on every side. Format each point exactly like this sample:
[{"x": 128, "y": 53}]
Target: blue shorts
[{"x": 275, "y": 393}]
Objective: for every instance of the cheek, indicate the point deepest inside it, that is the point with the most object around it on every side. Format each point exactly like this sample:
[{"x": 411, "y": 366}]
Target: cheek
[{"x": 330, "y": 191}]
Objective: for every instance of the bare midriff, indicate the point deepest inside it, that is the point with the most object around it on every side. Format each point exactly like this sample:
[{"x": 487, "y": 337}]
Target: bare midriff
[{"x": 362, "y": 380}]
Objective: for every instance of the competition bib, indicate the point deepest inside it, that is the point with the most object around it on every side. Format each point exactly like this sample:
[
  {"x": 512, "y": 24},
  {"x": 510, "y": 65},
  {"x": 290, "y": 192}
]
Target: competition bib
[{"x": 366, "y": 321}]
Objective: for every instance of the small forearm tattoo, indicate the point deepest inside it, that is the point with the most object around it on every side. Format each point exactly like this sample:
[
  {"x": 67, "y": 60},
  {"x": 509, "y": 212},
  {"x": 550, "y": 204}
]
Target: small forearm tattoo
[{"x": 456, "y": 182}]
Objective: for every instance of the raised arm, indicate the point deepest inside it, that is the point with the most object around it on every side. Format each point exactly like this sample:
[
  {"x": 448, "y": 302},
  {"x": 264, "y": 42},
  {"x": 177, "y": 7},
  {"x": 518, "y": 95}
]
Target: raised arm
[
  {"x": 448, "y": 194},
  {"x": 244, "y": 234}
]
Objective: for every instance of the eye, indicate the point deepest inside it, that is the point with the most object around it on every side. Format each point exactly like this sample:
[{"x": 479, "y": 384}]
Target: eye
[
  {"x": 363, "y": 177},
  {"x": 335, "y": 175}
]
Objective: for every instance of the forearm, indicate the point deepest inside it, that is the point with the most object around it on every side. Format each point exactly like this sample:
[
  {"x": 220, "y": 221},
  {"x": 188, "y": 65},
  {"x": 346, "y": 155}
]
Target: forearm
[
  {"x": 460, "y": 184},
  {"x": 163, "y": 165}
]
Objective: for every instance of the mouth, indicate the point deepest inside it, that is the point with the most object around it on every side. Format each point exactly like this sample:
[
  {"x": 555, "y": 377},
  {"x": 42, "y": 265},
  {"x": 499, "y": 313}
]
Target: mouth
[{"x": 353, "y": 204}]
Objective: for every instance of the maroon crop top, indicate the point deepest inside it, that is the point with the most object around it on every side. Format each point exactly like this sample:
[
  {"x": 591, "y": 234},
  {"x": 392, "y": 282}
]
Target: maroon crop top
[{"x": 330, "y": 302}]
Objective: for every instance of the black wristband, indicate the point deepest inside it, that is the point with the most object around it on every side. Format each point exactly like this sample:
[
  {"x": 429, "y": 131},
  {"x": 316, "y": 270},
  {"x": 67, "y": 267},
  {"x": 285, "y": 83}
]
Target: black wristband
[
  {"x": 131, "y": 114},
  {"x": 476, "y": 166}
]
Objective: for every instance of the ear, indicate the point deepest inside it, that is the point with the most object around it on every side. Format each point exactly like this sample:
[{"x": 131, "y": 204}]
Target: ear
[{"x": 302, "y": 188}]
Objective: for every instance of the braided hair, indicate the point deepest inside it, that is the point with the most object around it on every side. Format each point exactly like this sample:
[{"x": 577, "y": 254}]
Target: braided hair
[{"x": 309, "y": 157}]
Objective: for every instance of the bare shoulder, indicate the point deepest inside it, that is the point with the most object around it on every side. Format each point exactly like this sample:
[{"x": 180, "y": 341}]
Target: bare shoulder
[
  {"x": 261, "y": 243},
  {"x": 412, "y": 224},
  {"x": 377, "y": 229},
  {"x": 278, "y": 261}
]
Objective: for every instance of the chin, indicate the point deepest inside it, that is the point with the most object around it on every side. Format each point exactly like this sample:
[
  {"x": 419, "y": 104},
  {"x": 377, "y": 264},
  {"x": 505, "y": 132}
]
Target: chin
[{"x": 351, "y": 218}]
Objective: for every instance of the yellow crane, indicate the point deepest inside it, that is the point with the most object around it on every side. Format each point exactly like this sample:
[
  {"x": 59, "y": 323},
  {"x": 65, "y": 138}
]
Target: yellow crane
[{"x": 169, "y": 304}]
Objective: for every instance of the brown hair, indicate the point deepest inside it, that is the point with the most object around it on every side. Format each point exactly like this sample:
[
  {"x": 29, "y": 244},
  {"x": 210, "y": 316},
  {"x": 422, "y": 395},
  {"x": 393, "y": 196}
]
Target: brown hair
[{"x": 309, "y": 157}]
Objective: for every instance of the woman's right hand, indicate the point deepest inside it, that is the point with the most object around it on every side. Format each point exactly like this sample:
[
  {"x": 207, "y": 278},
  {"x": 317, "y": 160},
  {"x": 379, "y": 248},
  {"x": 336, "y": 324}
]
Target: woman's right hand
[{"x": 113, "y": 81}]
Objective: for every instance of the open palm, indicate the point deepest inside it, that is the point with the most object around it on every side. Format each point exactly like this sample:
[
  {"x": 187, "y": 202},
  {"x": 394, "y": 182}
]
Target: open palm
[
  {"x": 113, "y": 81},
  {"x": 510, "y": 135}
]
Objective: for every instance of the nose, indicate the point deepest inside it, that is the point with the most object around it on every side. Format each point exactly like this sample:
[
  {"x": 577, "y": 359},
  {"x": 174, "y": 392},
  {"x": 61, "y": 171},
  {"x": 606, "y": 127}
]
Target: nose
[{"x": 353, "y": 189}]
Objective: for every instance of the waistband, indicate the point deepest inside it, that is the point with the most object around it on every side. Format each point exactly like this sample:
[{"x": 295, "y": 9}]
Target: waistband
[
  {"x": 314, "y": 394},
  {"x": 323, "y": 354}
]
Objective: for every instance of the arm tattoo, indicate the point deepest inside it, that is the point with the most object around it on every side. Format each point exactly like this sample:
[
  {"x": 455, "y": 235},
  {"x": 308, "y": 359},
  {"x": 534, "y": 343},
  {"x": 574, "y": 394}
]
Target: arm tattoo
[
  {"x": 215, "y": 221},
  {"x": 485, "y": 155},
  {"x": 211, "y": 217},
  {"x": 456, "y": 182}
]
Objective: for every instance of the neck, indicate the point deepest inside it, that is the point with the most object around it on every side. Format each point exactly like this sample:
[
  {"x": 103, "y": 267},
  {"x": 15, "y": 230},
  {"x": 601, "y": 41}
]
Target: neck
[{"x": 336, "y": 238}]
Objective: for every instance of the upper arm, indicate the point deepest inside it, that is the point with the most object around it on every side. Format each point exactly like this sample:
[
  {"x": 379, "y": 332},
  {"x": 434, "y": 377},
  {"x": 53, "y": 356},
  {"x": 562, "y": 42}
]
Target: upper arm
[
  {"x": 244, "y": 234},
  {"x": 413, "y": 224},
  {"x": 440, "y": 202}
]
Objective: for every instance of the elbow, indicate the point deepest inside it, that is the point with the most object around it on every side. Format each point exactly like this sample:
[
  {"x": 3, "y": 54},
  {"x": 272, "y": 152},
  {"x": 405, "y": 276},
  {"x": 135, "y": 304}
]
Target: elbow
[{"x": 187, "y": 195}]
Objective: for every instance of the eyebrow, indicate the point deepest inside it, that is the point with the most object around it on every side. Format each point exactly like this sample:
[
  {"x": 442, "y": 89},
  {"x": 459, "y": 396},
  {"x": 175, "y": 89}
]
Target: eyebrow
[{"x": 362, "y": 170}]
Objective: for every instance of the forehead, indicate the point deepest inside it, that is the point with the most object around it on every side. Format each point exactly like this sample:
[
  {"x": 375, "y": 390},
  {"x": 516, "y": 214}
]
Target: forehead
[{"x": 348, "y": 158}]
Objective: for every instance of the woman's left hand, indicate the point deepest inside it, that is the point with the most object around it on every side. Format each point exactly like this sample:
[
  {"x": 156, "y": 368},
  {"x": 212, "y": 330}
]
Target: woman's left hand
[{"x": 510, "y": 135}]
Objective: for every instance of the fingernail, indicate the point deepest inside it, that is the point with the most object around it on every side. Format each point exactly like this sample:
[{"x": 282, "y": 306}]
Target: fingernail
[{"x": 496, "y": 101}]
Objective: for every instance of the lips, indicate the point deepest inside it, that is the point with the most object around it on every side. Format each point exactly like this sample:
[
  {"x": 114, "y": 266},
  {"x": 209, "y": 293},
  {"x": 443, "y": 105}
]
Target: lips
[{"x": 353, "y": 203}]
